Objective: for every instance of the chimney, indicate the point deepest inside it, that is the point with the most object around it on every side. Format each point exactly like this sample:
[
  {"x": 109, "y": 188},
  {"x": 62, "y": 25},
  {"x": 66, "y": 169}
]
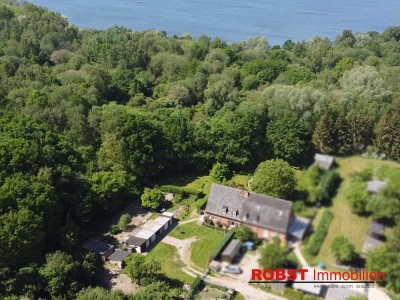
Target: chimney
[{"x": 244, "y": 194}]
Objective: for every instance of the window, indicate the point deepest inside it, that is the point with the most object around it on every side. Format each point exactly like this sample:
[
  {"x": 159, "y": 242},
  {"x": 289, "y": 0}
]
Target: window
[
  {"x": 224, "y": 210},
  {"x": 235, "y": 213}
]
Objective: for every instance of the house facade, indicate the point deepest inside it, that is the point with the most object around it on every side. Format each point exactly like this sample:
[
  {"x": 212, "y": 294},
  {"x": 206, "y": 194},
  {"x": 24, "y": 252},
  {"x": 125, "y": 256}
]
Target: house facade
[{"x": 267, "y": 216}]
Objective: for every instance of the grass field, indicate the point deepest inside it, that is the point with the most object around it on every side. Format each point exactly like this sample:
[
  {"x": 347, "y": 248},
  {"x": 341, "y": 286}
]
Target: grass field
[
  {"x": 209, "y": 239},
  {"x": 170, "y": 263},
  {"x": 345, "y": 222}
]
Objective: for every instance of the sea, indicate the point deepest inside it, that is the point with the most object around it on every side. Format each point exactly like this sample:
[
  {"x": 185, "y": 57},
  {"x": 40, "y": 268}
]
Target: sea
[{"x": 234, "y": 20}]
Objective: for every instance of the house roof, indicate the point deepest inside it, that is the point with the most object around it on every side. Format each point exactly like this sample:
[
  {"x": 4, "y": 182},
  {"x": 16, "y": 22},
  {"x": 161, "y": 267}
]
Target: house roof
[
  {"x": 221, "y": 197},
  {"x": 267, "y": 212},
  {"x": 150, "y": 228},
  {"x": 135, "y": 241},
  {"x": 376, "y": 228},
  {"x": 251, "y": 208},
  {"x": 374, "y": 186},
  {"x": 371, "y": 243},
  {"x": 97, "y": 246},
  {"x": 119, "y": 255},
  {"x": 324, "y": 161},
  {"x": 232, "y": 249},
  {"x": 299, "y": 227}
]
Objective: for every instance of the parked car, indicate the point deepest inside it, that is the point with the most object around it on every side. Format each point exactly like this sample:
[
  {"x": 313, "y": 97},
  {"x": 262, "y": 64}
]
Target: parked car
[{"x": 232, "y": 269}]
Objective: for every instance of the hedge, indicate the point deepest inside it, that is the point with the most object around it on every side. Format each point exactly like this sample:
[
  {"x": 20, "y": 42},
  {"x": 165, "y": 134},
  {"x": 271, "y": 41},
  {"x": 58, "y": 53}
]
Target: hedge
[
  {"x": 317, "y": 238},
  {"x": 221, "y": 246},
  {"x": 195, "y": 288},
  {"x": 181, "y": 190}
]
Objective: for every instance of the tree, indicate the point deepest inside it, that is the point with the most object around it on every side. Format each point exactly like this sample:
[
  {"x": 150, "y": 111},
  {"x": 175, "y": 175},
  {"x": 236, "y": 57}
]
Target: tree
[
  {"x": 358, "y": 195},
  {"x": 385, "y": 259},
  {"x": 152, "y": 198},
  {"x": 288, "y": 138},
  {"x": 388, "y": 134},
  {"x": 385, "y": 204},
  {"x": 324, "y": 136},
  {"x": 93, "y": 293},
  {"x": 273, "y": 256},
  {"x": 124, "y": 221},
  {"x": 60, "y": 273},
  {"x": 342, "y": 249},
  {"x": 245, "y": 234},
  {"x": 274, "y": 178},
  {"x": 219, "y": 173},
  {"x": 142, "y": 272}
]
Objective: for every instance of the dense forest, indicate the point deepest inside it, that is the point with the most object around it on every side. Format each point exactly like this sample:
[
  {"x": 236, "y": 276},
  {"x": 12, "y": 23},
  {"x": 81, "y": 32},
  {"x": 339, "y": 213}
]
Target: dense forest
[{"x": 88, "y": 118}]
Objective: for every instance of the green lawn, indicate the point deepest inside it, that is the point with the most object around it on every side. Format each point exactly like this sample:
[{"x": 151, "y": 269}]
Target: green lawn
[
  {"x": 170, "y": 262},
  {"x": 209, "y": 239},
  {"x": 345, "y": 222}
]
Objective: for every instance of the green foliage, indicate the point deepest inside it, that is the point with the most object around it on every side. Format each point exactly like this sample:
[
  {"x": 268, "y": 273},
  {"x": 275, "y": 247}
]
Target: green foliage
[
  {"x": 124, "y": 221},
  {"x": 358, "y": 195},
  {"x": 342, "y": 248},
  {"x": 385, "y": 205},
  {"x": 245, "y": 234},
  {"x": 219, "y": 173},
  {"x": 273, "y": 255},
  {"x": 274, "y": 178},
  {"x": 388, "y": 134},
  {"x": 151, "y": 198},
  {"x": 317, "y": 238}
]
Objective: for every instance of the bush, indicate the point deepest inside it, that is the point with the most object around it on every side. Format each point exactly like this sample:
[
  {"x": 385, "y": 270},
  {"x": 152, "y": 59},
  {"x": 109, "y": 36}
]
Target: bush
[
  {"x": 114, "y": 229},
  {"x": 124, "y": 221},
  {"x": 219, "y": 173},
  {"x": 358, "y": 195},
  {"x": 317, "y": 238}
]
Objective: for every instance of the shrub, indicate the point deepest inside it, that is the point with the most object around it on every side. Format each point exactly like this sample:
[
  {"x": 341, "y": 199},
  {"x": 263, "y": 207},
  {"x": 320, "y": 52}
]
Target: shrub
[
  {"x": 358, "y": 195},
  {"x": 114, "y": 229},
  {"x": 183, "y": 191},
  {"x": 317, "y": 238}
]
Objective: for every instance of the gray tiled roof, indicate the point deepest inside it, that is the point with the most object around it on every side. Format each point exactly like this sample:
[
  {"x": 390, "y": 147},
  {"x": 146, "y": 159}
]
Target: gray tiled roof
[
  {"x": 119, "y": 255},
  {"x": 342, "y": 293},
  {"x": 255, "y": 209},
  {"x": 267, "y": 212},
  {"x": 221, "y": 197}
]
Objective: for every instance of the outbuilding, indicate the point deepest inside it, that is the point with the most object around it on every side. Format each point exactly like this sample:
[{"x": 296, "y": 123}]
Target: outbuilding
[
  {"x": 232, "y": 251},
  {"x": 100, "y": 248},
  {"x": 118, "y": 258},
  {"x": 324, "y": 161},
  {"x": 375, "y": 186}
]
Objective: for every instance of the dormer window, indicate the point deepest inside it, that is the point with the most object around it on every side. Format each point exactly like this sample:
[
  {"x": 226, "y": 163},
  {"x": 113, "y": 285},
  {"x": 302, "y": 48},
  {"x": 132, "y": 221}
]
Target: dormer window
[
  {"x": 224, "y": 210},
  {"x": 258, "y": 218},
  {"x": 235, "y": 213}
]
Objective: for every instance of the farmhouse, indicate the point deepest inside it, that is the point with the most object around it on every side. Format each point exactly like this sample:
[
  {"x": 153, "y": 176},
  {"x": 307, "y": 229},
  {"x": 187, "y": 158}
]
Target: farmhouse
[
  {"x": 144, "y": 236},
  {"x": 324, "y": 161},
  {"x": 267, "y": 216}
]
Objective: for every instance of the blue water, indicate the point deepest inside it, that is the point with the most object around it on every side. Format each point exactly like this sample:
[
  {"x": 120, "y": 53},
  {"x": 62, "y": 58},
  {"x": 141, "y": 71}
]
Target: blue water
[{"x": 234, "y": 20}]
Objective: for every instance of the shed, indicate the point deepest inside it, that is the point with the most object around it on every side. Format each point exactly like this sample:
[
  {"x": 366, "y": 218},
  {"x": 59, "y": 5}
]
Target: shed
[
  {"x": 98, "y": 247},
  {"x": 136, "y": 243},
  {"x": 324, "y": 161},
  {"x": 374, "y": 186},
  {"x": 376, "y": 230},
  {"x": 231, "y": 251},
  {"x": 118, "y": 257},
  {"x": 214, "y": 265},
  {"x": 370, "y": 243}
]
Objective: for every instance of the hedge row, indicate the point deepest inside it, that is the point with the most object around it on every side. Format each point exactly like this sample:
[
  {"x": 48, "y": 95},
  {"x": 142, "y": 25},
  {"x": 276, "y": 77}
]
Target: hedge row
[
  {"x": 195, "y": 288},
  {"x": 180, "y": 190},
  {"x": 229, "y": 235},
  {"x": 317, "y": 238}
]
